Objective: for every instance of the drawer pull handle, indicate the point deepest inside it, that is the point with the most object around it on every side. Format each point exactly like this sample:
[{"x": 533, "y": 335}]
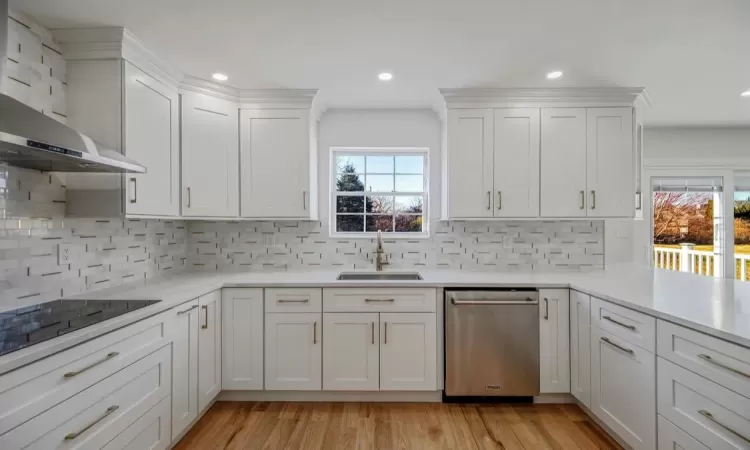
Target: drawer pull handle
[
  {"x": 711, "y": 417},
  {"x": 626, "y": 350},
  {"x": 381, "y": 300},
  {"x": 723, "y": 366},
  {"x": 92, "y": 365},
  {"x": 293, "y": 301},
  {"x": 179, "y": 313},
  {"x": 385, "y": 332},
  {"x": 205, "y": 324},
  {"x": 109, "y": 411},
  {"x": 546, "y": 309},
  {"x": 315, "y": 332},
  {"x": 372, "y": 330},
  {"x": 624, "y": 325}
]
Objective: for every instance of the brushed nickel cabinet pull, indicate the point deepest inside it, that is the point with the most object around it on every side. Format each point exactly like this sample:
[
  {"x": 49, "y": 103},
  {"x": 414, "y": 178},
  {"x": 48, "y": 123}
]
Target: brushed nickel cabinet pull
[
  {"x": 373, "y": 333},
  {"x": 91, "y": 366},
  {"x": 711, "y": 417},
  {"x": 205, "y": 309},
  {"x": 722, "y": 365},
  {"x": 304, "y": 200},
  {"x": 185, "y": 311},
  {"x": 626, "y": 350},
  {"x": 489, "y": 200},
  {"x": 315, "y": 332},
  {"x": 188, "y": 197},
  {"x": 293, "y": 301},
  {"x": 546, "y": 309},
  {"x": 134, "y": 181},
  {"x": 109, "y": 411},
  {"x": 385, "y": 332},
  {"x": 583, "y": 200},
  {"x": 593, "y": 199},
  {"x": 381, "y": 300},
  {"x": 624, "y": 325},
  {"x": 499, "y": 200}
]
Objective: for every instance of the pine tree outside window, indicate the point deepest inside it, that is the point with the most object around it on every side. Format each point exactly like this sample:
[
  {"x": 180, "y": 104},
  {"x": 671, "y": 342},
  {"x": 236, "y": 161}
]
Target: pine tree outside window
[{"x": 380, "y": 189}]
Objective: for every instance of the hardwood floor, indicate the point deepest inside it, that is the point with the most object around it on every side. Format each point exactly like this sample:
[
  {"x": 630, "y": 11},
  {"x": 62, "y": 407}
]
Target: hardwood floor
[{"x": 382, "y": 426}]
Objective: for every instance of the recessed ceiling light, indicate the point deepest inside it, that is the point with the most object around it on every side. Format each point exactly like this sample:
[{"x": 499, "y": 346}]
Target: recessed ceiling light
[
  {"x": 746, "y": 93},
  {"x": 555, "y": 74},
  {"x": 220, "y": 76},
  {"x": 385, "y": 76}
]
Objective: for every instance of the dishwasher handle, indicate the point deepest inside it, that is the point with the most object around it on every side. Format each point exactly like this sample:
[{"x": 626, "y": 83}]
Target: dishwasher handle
[{"x": 527, "y": 301}]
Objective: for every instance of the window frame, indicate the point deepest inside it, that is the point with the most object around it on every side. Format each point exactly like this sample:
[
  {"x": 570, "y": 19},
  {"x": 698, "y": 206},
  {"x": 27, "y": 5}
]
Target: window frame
[{"x": 380, "y": 151}]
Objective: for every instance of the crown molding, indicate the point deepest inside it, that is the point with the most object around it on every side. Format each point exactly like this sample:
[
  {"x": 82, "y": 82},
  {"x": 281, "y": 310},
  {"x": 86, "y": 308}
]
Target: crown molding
[
  {"x": 201, "y": 86},
  {"x": 281, "y": 98},
  {"x": 518, "y": 97}
]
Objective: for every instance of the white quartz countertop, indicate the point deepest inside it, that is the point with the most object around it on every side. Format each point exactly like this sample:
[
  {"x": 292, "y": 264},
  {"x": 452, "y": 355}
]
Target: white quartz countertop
[{"x": 718, "y": 307}]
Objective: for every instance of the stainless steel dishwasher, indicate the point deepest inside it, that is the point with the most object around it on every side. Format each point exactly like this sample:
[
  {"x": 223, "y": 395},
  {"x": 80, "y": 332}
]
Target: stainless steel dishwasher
[{"x": 492, "y": 343}]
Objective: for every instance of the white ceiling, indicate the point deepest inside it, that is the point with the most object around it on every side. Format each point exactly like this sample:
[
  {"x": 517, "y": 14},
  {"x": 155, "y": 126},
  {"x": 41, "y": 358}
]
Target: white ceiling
[{"x": 693, "y": 56}]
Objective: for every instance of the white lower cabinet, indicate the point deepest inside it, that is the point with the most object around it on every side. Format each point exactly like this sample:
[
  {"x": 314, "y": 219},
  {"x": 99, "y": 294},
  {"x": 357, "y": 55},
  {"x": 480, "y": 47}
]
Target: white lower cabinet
[
  {"x": 554, "y": 344},
  {"x": 623, "y": 388},
  {"x": 580, "y": 347},
  {"x": 209, "y": 349},
  {"x": 351, "y": 352},
  {"x": 294, "y": 346},
  {"x": 408, "y": 352},
  {"x": 149, "y": 432},
  {"x": 242, "y": 344},
  {"x": 183, "y": 328},
  {"x": 673, "y": 438}
]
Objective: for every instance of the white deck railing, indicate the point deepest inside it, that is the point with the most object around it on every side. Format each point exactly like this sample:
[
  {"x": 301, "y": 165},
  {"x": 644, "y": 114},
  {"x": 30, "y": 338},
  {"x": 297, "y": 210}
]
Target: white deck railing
[{"x": 687, "y": 259}]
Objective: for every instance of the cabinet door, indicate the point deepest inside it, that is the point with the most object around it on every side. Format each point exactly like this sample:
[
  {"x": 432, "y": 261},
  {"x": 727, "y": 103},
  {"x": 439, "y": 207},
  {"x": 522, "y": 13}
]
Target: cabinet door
[
  {"x": 242, "y": 346},
  {"x": 623, "y": 388},
  {"x": 610, "y": 162},
  {"x": 563, "y": 162},
  {"x": 554, "y": 344},
  {"x": 210, "y": 156},
  {"x": 209, "y": 349},
  {"x": 184, "y": 333},
  {"x": 293, "y": 351},
  {"x": 580, "y": 347},
  {"x": 351, "y": 352},
  {"x": 275, "y": 163},
  {"x": 151, "y": 138},
  {"x": 408, "y": 352},
  {"x": 672, "y": 438},
  {"x": 470, "y": 163},
  {"x": 516, "y": 162}
]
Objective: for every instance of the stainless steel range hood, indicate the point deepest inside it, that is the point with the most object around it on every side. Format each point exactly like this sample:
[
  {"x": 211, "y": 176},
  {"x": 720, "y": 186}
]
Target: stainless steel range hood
[{"x": 32, "y": 140}]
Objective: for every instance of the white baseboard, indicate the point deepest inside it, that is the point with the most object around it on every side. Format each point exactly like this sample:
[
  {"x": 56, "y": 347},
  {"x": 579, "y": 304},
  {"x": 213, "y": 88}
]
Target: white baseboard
[
  {"x": 554, "y": 398},
  {"x": 330, "y": 396}
]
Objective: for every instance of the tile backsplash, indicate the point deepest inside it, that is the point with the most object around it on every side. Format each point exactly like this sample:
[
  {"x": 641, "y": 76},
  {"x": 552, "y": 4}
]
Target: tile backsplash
[
  {"x": 458, "y": 245},
  {"x": 103, "y": 252}
]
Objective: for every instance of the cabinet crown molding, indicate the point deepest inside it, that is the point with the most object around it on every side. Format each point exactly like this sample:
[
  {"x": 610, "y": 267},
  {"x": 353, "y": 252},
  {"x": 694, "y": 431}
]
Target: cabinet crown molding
[{"x": 563, "y": 96}]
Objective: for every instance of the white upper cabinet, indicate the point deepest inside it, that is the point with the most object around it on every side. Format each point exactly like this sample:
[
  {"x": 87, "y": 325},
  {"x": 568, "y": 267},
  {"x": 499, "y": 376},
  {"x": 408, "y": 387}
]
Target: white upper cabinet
[
  {"x": 610, "y": 162},
  {"x": 275, "y": 164},
  {"x": 470, "y": 163},
  {"x": 554, "y": 347},
  {"x": 566, "y": 153},
  {"x": 516, "y": 162},
  {"x": 151, "y": 138},
  {"x": 210, "y": 156},
  {"x": 563, "y": 162}
]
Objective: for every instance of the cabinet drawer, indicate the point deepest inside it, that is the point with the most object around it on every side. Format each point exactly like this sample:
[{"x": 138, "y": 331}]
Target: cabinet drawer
[
  {"x": 293, "y": 300},
  {"x": 150, "y": 431},
  {"x": 672, "y": 438},
  {"x": 92, "y": 418},
  {"x": 714, "y": 415},
  {"x": 722, "y": 362},
  {"x": 633, "y": 326},
  {"x": 379, "y": 300},
  {"x": 33, "y": 389}
]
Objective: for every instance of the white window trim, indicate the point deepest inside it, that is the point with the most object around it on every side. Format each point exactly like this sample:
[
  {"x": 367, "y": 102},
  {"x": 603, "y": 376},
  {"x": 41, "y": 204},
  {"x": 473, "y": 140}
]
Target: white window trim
[{"x": 421, "y": 151}]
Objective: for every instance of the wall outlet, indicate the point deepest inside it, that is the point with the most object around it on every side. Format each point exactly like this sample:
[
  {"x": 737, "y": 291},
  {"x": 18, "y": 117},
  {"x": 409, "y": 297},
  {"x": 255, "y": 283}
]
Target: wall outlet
[
  {"x": 507, "y": 242},
  {"x": 65, "y": 254}
]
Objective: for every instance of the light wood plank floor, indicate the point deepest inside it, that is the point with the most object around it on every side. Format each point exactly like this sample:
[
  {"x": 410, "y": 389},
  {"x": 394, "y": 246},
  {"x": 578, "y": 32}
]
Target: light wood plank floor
[{"x": 382, "y": 426}]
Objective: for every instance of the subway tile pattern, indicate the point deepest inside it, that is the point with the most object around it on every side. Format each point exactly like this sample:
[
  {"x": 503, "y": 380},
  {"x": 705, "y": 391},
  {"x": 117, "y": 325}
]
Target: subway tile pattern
[
  {"x": 103, "y": 252},
  {"x": 458, "y": 245}
]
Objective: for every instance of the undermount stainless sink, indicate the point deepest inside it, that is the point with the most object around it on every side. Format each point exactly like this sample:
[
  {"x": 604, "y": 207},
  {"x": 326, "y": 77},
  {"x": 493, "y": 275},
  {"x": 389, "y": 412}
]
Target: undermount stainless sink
[{"x": 365, "y": 276}]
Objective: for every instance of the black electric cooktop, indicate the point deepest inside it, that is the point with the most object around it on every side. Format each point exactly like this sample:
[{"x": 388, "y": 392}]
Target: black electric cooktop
[{"x": 21, "y": 328}]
